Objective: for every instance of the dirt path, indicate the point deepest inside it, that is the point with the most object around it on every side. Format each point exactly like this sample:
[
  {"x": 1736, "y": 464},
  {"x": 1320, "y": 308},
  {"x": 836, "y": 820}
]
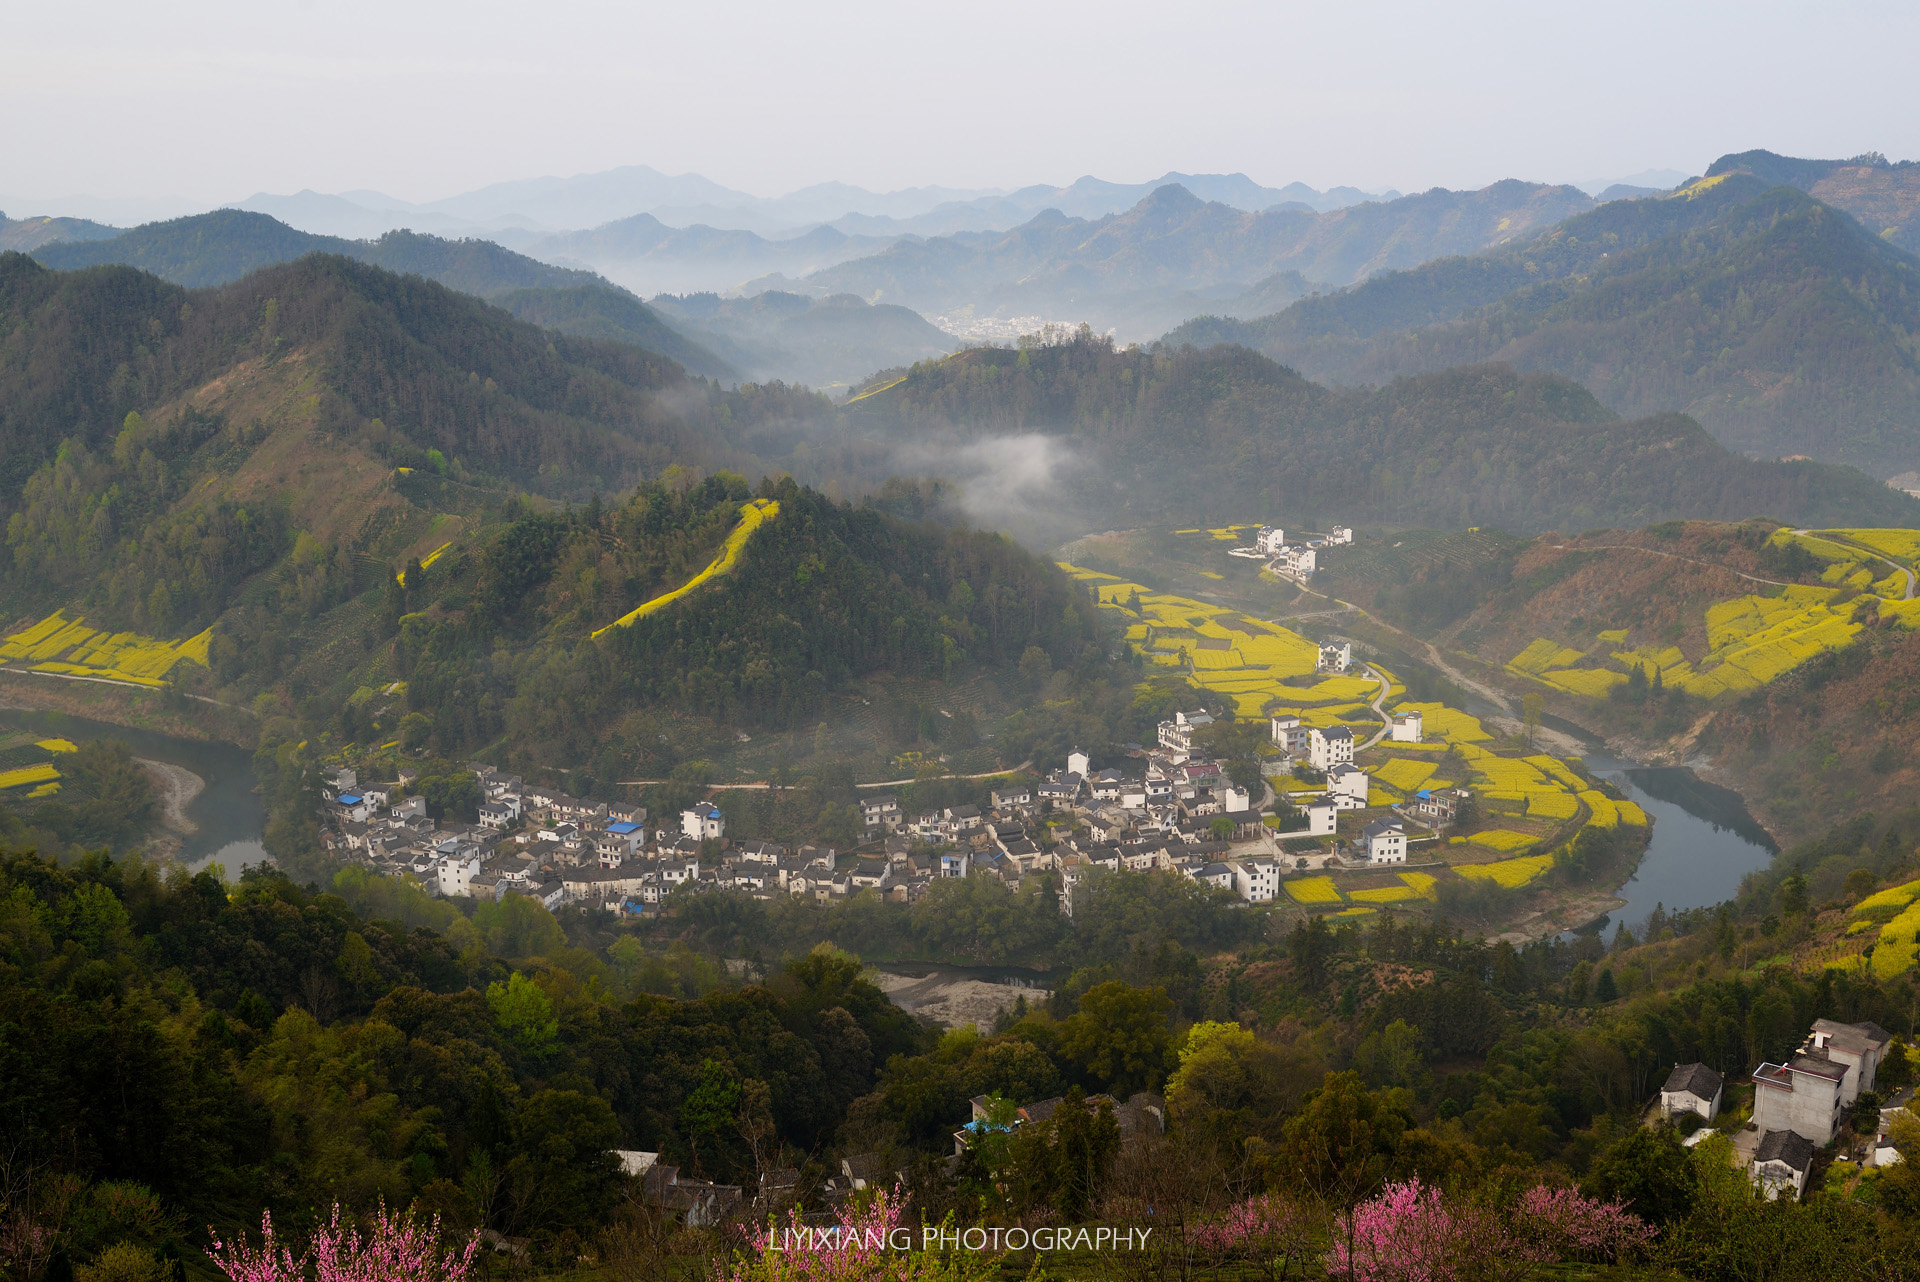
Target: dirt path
[{"x": 174, "y": 787}]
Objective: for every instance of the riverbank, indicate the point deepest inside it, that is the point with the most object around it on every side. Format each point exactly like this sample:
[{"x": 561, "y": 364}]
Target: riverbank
[
  {"x": 954, "y": 1000},
  {"x": 125, "y": 706},
  {"x": 209, "y": 799}
]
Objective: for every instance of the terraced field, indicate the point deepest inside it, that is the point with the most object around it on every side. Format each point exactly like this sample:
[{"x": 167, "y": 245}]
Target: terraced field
[
  {"x": 1752, "y": 639},
  {"x": 1895, "y": 912},
  {"x": 67, "y": 646},
  {"x": 31, "y": 764}
]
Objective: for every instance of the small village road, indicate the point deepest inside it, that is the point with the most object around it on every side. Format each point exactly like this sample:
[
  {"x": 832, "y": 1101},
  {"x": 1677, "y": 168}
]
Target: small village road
[
  {"x": 883, "y": 783},
  {"x": 1379, "y": 708}
]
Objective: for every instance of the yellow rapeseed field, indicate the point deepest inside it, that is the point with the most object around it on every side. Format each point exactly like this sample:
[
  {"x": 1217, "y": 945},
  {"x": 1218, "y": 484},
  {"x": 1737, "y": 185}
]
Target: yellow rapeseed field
[
  {"x": 61, "y": 645},
  {"x": 25, "y": 775},
  {"x": 1312, "y": 890},
  {"x": 1508, "y": 872},
  {"x": 752, "y": 516}
]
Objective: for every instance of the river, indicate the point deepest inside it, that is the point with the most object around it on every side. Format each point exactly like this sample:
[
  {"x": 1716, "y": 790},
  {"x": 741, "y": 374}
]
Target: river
[
  {"x": 228, "y": 817},
  {"x": 1703, "y": 842}
]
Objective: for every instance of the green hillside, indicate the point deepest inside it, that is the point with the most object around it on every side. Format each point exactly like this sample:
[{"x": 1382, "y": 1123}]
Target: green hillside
[
  {"x": 356, "y": 478},
  {"x": 825, "y": 342},
  {"x": 1884, "y": 197},
  {"x": 601, "y": 312},
  {"x": 1192, "y": 435},
  {"x": 224, "y": 245},
  {"x": 26, "y": 234},
  {"x": 1769, "y": 317}
]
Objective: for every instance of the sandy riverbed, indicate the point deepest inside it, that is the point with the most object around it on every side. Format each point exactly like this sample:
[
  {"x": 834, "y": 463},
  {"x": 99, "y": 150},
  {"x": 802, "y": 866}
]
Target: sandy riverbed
[
  {"x": 174, "y": 787},
  {"x": 954, "y": 1001}
]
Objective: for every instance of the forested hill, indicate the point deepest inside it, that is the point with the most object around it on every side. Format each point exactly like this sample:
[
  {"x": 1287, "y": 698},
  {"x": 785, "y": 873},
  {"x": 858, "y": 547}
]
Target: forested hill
[
  {"x": 328, "y": 346},
  {"x": 1883, "y": 196},
  {"x": 226, "y": 244},
  {"x": 264, "y": 457},
  {"x": 1774, "y": 320},
  {"x": 1189, "y": 435},
  {"x": 1197, "y": 434}
]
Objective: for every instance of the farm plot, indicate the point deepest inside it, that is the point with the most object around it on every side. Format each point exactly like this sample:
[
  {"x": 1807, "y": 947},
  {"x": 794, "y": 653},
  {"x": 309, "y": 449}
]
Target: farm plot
[{"x": 67, "y": 646}]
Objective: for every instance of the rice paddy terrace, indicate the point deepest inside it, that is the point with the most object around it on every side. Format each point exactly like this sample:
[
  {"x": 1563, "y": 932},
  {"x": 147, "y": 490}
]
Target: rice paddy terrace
[{"x": 1532, "y": 804}]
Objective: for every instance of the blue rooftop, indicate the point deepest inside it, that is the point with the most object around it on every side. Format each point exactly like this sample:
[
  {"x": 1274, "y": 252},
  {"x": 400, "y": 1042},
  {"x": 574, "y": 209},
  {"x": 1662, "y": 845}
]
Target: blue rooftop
[
  {"x": 348, "y": 799},
  {"x": 622, "y": 829}
]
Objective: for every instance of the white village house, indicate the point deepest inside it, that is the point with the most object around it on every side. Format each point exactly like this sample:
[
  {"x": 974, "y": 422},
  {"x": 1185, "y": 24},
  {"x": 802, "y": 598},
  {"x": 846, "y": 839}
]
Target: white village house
[{"x": 1691, "y": 1088}]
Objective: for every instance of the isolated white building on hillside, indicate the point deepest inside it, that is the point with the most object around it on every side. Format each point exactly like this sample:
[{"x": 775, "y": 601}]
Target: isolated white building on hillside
[
  {"x": 1781, "y": 1162},
  {"x": 1336, "y": 656},
  {"x": 1344, "y": 779},
  {"x": 1859, "y": 1047},
  {"x": 1256, "y": 880},
  {"x": 1406, "y": 727},
  {"x": 1270, "y": 540},
  {"x": 1338, "y": 535},
  {"x": 1322, "y": 818},
  {"x": 703, "y": 822},
  {"x": 1297, "y": 561},
  {"x": 1691, "y": 1088},
  {"x": 1801, "y": 1095},
  {"x": 1176, "y": 736}
]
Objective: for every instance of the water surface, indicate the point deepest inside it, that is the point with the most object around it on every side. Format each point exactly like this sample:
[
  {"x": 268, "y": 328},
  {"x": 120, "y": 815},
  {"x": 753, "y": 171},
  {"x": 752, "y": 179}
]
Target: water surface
[
  {"x": 1704, "y": 840},
  {"x": 229, "y": 817}
]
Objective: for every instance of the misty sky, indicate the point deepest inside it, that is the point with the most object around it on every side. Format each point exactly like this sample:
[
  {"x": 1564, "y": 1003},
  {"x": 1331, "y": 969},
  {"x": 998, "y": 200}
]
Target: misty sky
[{"x": 213, "y": 100}]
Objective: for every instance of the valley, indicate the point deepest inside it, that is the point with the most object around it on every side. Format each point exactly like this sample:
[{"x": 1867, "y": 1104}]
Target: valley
[{"x": 600, "y": 712}]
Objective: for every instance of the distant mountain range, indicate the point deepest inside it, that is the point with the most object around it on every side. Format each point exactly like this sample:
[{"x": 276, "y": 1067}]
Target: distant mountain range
[
  {"x": 829, "y": 343},
  {"x": 1130, "y": 269},
  {"x": 536, "y": 205},
  {"x": 1777, "y": 321},
  {"x": 213, "y": 249}
]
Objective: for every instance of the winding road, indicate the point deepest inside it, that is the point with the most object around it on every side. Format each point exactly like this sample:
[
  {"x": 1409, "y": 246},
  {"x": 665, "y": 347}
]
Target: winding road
[
  {"x": 1843, "y": 541},
  {"x": 1379, "y": 708}
]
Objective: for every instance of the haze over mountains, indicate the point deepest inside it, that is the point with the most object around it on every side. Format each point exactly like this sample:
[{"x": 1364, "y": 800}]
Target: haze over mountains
[
  {"x": 684, "y": 200},
  {"x": 1756, "y": 300},
  {"x": 1779, "y": 322}
]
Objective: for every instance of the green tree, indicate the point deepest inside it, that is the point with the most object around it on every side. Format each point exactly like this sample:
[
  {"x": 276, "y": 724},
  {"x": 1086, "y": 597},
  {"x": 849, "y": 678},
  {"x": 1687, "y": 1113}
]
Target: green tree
[
  {"x": 707, "y": 1117},
  {"x": 525, "y": 1014},
  {"x": 1340, "y": 1147},
  {"x": 563, "y": 1175},
  {"x": 1119, "y": 1037},
  {"x": 1650, "y": 1169}
]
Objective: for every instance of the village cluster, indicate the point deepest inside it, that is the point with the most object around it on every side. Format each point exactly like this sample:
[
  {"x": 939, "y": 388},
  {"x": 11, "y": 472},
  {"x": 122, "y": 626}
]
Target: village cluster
[
  {"x": 1798, "y": 1106},
  {"x": 1169, "y": 808},
  {"x": 1296, "y": 561}
]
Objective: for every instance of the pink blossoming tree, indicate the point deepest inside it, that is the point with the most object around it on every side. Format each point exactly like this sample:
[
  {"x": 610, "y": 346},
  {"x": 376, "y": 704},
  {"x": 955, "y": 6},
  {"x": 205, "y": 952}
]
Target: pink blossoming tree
[
  {"x": 395, "y": 1248},
  {"x": 1413, "y": 1234}
]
